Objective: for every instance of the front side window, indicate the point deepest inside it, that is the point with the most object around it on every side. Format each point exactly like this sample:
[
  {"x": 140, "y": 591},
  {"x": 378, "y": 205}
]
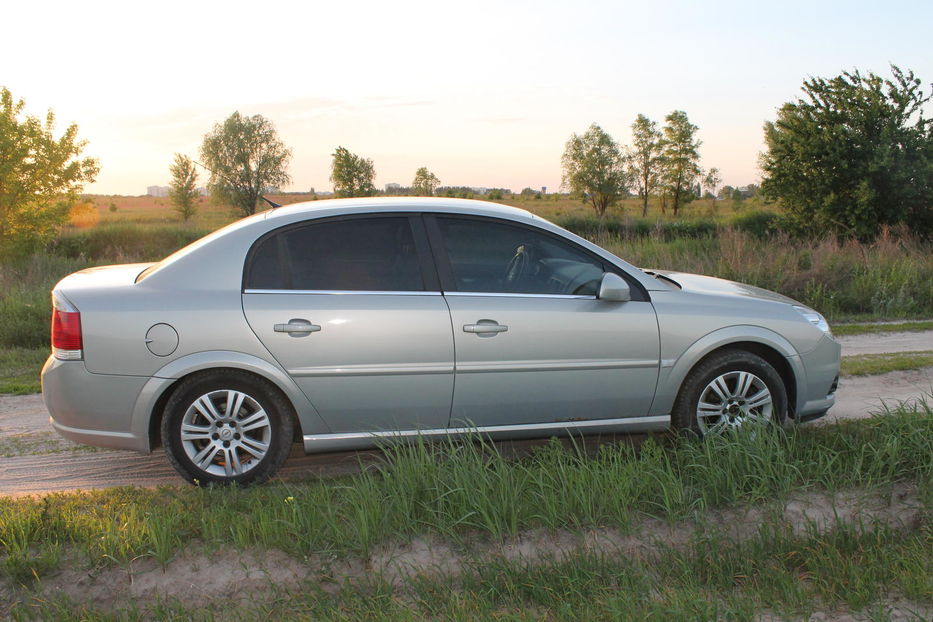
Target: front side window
[
  {"x": 493, "y": 257},
  {"x": 356, "y": 254}
]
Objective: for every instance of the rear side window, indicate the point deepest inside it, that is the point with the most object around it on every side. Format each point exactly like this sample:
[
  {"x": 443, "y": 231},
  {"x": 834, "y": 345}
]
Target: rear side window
[{"x": 357, "y": 254}]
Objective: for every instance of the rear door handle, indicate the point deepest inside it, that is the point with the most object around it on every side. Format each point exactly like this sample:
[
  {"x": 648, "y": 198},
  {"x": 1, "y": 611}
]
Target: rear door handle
[
  {"x": 297, "y": 328},
  {"x": 487, "y": 328}
]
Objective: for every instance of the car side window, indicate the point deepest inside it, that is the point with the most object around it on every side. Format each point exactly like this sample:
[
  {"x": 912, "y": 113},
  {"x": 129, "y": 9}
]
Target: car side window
[
  {"x": 356, "y": 254},
  {"x": 494, "y": 257}
]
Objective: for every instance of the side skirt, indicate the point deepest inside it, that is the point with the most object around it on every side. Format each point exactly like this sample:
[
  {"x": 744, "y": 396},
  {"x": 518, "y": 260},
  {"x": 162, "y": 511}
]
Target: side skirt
[{"x": 319, "y": 443}]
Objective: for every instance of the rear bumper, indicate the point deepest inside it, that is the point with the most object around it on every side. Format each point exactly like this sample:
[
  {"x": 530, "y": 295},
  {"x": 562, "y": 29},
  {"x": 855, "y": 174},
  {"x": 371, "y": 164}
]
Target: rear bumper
[{"x": 93, "y": 409}]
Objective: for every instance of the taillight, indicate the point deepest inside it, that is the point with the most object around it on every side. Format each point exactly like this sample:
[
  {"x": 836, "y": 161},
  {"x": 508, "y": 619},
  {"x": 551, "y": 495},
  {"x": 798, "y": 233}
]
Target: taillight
[{"x": 66, "y": 330}]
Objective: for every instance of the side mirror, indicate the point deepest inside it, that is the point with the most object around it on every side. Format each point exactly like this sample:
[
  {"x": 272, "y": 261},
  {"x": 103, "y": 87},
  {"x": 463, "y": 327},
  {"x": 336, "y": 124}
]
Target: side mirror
[{"x": 613, "y": 287}]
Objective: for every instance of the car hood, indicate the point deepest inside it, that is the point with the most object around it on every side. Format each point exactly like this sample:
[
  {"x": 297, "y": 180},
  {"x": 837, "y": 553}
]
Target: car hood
[{"x": 721, "y": 287}]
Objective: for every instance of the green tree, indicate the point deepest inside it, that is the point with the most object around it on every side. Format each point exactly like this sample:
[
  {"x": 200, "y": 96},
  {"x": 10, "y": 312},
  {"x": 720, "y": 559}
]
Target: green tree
[
  {"x": 352, "y": 175},
  {"x": 680, "y": 158},
  {"x": 644, "y": 160},
  {"x": 711, "y": 181},
  {"x": 425, "y": 182},
  {"x": 246, "y": 159},
  {"x": 853, "y": 154},
  {"x": 40, "y": 175},
  {"x": 595, "y": 168},
  {"x": 183, "y": 190}
]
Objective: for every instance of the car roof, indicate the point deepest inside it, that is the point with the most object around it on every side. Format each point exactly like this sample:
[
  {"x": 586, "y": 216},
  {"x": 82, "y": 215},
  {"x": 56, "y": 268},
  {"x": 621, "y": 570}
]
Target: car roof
[{"x": 328, "y": 207}]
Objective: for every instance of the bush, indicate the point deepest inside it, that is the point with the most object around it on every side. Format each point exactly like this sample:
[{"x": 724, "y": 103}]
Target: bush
[
  {"x": 759, "y": 223},
  {"x": 589, "y": 227}
]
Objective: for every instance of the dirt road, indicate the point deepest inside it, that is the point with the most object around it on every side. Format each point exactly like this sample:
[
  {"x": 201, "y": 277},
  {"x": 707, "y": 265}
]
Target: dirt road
[{"x": 34, "y": 459}]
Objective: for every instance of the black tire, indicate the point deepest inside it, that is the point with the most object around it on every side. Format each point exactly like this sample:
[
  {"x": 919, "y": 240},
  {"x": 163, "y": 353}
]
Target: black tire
[
  {"x": 245, "y": 448},
  {"x": 729, "y": 366}
]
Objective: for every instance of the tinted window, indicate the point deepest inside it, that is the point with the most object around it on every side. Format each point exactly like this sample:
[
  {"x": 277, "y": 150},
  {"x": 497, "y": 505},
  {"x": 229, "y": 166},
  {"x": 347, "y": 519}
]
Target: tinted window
[
  {"x": 499, "y": 258},
  {"x": 373, "y": 254}
]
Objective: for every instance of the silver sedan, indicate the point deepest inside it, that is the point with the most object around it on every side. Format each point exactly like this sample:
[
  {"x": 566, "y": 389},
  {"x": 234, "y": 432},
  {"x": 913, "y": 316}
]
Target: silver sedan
[{"x": 350, "y": 322}]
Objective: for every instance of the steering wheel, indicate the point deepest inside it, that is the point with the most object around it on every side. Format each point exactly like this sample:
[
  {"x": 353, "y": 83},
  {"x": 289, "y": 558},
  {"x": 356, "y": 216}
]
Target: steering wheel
[{"x": 519, "y": 264}]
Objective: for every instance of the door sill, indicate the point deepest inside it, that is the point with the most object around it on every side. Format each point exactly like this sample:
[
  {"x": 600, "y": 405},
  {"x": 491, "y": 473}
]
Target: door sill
[{"x": 318, "y": 443}]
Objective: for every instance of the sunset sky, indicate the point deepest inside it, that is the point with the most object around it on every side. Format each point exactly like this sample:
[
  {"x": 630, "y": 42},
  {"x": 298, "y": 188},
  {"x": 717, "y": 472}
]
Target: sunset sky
[{"x": 482, "y": 93}]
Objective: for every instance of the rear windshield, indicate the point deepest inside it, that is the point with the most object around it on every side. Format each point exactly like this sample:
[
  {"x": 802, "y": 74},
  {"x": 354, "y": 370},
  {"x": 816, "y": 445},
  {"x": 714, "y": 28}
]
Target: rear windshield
[{"x": 207, "y": 239}]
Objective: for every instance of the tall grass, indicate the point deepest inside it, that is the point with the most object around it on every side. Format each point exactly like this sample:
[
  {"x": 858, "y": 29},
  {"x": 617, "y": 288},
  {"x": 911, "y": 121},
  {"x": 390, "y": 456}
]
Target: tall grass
[
  {"x": 25, "y": 303},
  {"x": 891, "y": 277},
  {"x": 25, "y": 283},
  {"x": 125, "y": 242},
  {"x": 461, "y": 490}
]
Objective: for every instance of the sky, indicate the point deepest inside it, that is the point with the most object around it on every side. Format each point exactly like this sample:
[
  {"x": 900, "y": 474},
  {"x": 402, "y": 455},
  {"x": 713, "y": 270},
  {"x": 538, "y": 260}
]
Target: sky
[{"x": 483, "y": 93}]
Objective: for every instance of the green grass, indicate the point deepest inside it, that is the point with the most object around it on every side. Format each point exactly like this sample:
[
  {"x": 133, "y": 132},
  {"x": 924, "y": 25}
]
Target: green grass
[
  {"x": 844, "y": 330},
  {"x": 874, "y": 364},
  {"x": 712, "y": 577},
  {"x": 19, "y": 369},
  {"x": 464, "y": 491}
]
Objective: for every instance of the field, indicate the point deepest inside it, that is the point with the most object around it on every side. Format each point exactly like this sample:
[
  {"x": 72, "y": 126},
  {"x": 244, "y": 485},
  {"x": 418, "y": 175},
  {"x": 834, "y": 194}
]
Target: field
[
  {"x": 891, "y": 278},
  {"x": 829, "y": 521}
]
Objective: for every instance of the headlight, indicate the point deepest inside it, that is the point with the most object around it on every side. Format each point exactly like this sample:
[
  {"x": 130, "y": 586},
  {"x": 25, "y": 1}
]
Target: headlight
[{"x": 814, "y": 318}]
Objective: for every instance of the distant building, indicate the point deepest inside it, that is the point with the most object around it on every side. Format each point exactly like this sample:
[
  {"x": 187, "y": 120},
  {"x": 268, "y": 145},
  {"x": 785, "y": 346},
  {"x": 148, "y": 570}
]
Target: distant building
[
  {"x": 393, "y": 187},
  {"x": 157, "y": 191}
]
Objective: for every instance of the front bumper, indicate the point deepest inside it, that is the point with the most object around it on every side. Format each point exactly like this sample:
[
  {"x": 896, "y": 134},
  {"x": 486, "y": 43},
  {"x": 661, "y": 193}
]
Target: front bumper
[
  {"x": 818, "y": 393},
  {"x": 93, "y": 409}
]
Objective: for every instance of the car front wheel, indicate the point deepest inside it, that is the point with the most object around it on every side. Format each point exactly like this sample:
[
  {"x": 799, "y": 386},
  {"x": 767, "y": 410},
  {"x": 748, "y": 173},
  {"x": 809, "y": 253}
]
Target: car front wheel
[
  {"x": 226, "y": 426},
  {"x": 728, "y": 390}
]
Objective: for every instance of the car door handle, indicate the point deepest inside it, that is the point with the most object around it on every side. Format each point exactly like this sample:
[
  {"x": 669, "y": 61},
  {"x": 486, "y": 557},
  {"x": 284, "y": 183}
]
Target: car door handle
[
  {"x": 297, "y": 328},
  {"x": 484, "y": 327}
]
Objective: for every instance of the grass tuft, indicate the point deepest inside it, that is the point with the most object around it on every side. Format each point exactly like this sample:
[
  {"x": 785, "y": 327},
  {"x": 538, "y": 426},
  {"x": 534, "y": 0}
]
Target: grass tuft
[
  {"x": 873, "y": 364},
  {"x": 844, "y": 330}
]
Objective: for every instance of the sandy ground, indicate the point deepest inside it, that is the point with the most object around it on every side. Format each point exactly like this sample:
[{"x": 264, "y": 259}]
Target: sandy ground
[{"x": 35, "y": 460}]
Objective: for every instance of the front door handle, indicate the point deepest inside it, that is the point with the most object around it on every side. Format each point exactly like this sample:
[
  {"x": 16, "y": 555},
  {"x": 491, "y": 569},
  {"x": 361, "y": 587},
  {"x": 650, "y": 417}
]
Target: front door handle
[
  {"x": 297, "y": 327},
  {"x": 485, "y": 328}
]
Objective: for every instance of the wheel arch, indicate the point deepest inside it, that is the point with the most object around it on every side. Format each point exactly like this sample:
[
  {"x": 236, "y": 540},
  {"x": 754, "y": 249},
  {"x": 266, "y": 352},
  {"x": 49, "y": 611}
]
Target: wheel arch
[
  {"x": 150, "y": 406},
  {"x": 767, "y": 344}
]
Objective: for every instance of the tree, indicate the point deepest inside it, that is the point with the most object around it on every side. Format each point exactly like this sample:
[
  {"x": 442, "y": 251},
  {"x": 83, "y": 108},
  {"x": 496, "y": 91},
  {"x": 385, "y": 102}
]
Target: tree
[
  {"x": 681, "y": 158},
  {"x": 645, "y": 158},
  {"x": 425, "y": 182},
  {"x": 183, "y": 191},
  {"x": 40, "y": 176},
  {"x": 853, "y": 154},
  {"x": 711, "y": 181},
  {"x": 595, "y": 168},
  {"x": 246, "y": 159},
  {"x": 352, "y": 175}
]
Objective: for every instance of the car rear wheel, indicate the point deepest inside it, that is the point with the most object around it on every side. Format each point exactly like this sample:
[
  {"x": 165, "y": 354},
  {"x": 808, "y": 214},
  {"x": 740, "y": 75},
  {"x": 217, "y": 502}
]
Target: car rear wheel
[
  {"x": 226, "y": 426},
  {"x": 729, "y": 390}
]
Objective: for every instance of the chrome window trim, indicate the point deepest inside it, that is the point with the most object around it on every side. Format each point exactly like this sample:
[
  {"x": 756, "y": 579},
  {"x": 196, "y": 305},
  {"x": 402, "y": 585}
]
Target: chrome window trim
[
  {"x": 517, "y": 295},
  {"x": 341, "y": 292},
  {"x": 360, "y": 292}
]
